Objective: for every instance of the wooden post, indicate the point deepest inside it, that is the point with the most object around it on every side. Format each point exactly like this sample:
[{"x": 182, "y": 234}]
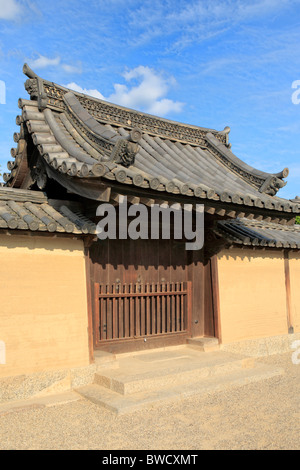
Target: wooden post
[
  {"x": 153, "y": 310},
  {"x": 89, "y": 299},
  {"x": 143, "y": 311},
  {"x": 137, "y": 312},
  {"x": 189, "y": 307},
  {"x": 169, "y": 318},
  {"x": 97, "y": 313},
  {"x": 158, "y": 310},
  {"x": 216, "y": 297},
  {"x": 163, "y": 309},
  {"x": 288, "y": 292},
  {"x": 114, "y": 314},
  {"x": 177, "y": 309},
  {"x": 132, "y": 302}
]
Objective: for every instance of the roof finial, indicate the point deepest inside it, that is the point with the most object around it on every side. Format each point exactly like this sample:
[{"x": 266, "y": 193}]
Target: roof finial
[{"x": 27, "y": 71}]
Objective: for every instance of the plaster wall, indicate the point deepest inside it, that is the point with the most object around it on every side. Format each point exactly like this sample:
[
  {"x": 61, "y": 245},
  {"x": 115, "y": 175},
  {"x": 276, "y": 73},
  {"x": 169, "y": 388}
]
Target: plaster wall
[
  {"x": 252, "y": 294},
  {"x": 43, "y": 309}
]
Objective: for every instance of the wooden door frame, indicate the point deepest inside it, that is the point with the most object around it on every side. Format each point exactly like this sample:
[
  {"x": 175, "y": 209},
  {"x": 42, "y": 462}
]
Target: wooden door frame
[{"x": 195, "y": 312}]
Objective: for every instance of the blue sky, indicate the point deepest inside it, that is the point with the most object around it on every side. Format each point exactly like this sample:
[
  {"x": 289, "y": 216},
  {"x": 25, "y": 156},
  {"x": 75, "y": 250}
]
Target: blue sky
[{"x": 210, "y": 63}]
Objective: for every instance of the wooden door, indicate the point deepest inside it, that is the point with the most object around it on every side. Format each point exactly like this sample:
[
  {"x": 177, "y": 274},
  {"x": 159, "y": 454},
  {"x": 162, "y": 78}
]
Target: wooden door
[
  {"x": 142, "y": 295},
  {"x": 133, "y": 311}
]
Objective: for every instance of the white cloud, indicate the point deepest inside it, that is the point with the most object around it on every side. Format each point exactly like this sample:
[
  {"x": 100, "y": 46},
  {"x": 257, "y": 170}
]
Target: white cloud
[
  {"x": 197, "y": 20},
  {"x": 72, "y": 68},
  {"x": 165, "y": 106},
  {"x": 293, "y": 128},
  {"x": 147, "y": 93},
  {"x": 95, "y": 93},
  {"x": 10, "y": 9},
  {"x": 200, "y": 11},
  {"x": 42, "y": 62}
]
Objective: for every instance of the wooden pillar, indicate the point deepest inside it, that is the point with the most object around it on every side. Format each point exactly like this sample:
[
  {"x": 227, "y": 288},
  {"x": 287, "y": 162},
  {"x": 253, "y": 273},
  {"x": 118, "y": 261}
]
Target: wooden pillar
[
  {"x": 87, "y": 243},
  {"x": 288, "y": 292},
  {"x": 196, "y": 276},
  {"x": 216, "y": 297},
  {"x": 209, "y": 328}
]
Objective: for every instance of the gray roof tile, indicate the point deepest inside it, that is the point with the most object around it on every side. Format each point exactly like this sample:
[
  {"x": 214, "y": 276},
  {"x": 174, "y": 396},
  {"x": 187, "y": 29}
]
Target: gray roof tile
[
  {"x": 30, "y": 210},
  {"x": 87, "y": 131},
  {"x": 259, "y": 233}
]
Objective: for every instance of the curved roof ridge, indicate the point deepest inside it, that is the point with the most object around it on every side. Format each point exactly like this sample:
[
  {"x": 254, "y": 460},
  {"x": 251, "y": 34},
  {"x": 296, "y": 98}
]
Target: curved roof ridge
[
  {"x": 268, "y": 183},
  {"x": 86, "y": 154},
  {"x": 95, "y": 113},
  {"x": 119, "y": 115}
]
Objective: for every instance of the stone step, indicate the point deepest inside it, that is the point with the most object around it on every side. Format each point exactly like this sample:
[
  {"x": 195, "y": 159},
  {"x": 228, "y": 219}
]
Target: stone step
[
  {"x": 105, "y": 360},
  {"x": 204, "y": 344},
  {"x": 48, "y": 401},
  {"x": 148, "y": 372},
  {"x": 121, "y": 404}
]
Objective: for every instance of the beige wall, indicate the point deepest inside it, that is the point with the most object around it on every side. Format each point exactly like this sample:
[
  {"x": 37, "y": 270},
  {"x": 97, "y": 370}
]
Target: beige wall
[
  {"x": 295, "y": 289},
  {"x": 43, "y": 313},
  {"x": 252, "y": 294}
]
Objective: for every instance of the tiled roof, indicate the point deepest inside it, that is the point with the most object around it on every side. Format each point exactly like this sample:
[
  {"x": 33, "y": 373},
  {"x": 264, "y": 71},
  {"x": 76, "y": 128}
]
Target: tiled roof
[
  {"x": 30, "y": 210},
  {"x": 86, "y": 139},
  {"x": 254, "y": 233}
]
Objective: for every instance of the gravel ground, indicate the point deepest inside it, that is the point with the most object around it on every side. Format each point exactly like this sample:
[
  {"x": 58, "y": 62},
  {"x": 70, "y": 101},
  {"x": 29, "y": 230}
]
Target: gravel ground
[{"x": 263, "y": 415}]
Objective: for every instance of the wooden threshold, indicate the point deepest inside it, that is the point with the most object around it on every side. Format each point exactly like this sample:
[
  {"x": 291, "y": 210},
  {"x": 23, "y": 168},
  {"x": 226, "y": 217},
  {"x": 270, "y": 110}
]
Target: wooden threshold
[{"x": 139, "y": 344}]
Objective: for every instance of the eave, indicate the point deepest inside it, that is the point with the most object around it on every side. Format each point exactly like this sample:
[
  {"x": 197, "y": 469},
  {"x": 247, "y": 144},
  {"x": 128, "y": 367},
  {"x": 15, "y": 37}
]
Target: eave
[
  {"x": 31, "y": 211},
  {"x": 263, "y": 234}
]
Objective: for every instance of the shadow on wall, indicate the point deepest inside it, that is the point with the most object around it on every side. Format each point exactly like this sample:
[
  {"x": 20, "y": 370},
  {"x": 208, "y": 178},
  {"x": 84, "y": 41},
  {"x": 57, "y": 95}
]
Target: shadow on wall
[
  {"x": 152, "y": 254},
  {"x": 32, "y": 241},
  {"x": 248, "y": 253}
]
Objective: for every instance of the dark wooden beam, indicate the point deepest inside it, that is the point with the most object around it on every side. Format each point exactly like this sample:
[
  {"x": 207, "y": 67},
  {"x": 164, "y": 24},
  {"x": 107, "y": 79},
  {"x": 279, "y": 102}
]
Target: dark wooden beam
[
  {"x": 216, "y": 297},
  {"x": 288, "y": 291},
  {"x": 88, "y": 240}
]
